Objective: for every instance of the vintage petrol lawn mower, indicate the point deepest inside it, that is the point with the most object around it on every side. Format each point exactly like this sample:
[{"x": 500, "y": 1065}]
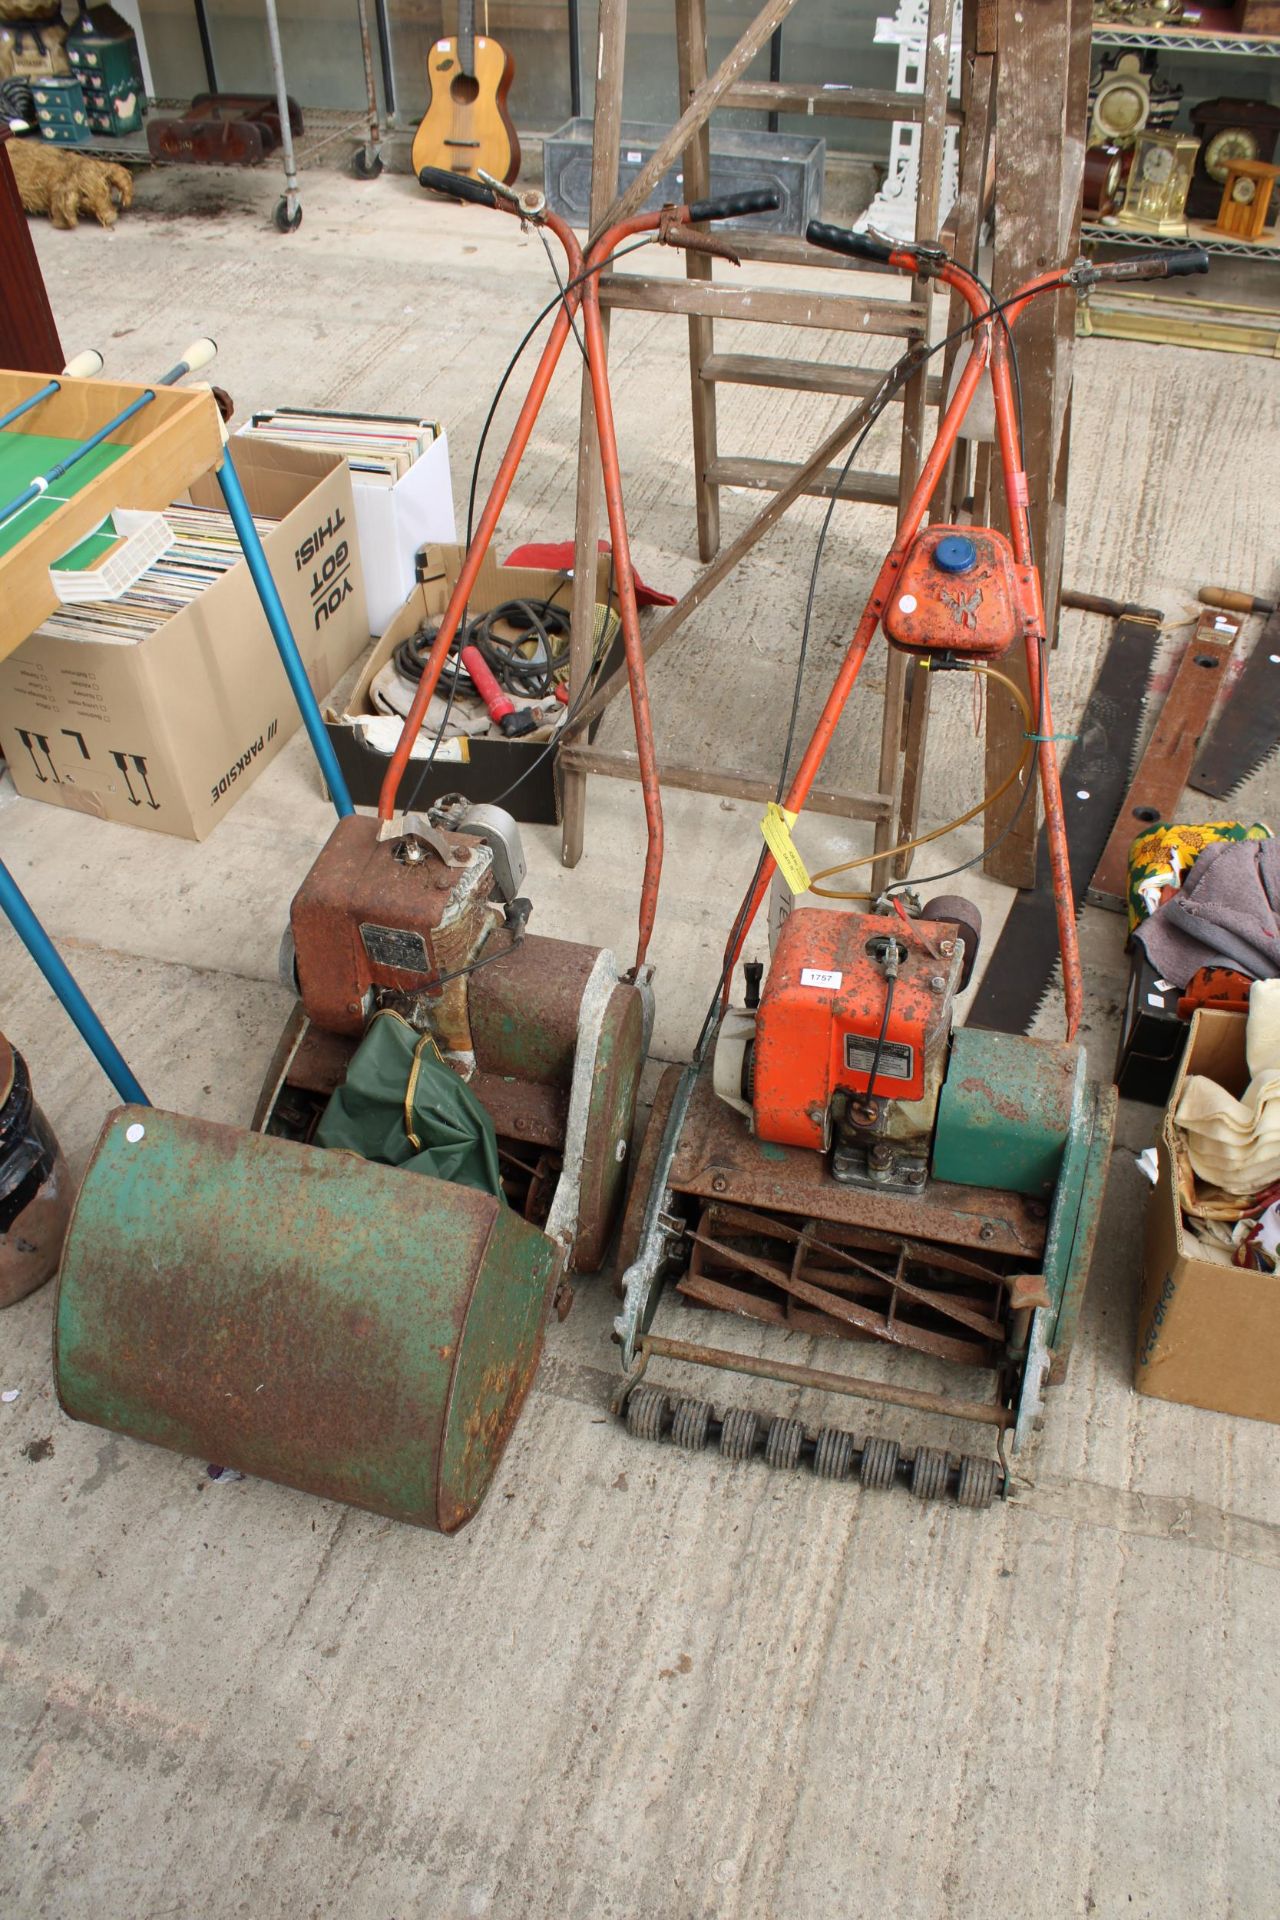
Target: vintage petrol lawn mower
[
  {"x": 839, "y": 1159},
  {"x": 313, "y": 1317}
]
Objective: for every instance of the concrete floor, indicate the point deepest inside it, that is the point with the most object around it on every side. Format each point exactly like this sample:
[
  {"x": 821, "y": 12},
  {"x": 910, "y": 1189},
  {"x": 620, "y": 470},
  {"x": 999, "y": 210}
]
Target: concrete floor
[{"x": 641, "y": 1683}]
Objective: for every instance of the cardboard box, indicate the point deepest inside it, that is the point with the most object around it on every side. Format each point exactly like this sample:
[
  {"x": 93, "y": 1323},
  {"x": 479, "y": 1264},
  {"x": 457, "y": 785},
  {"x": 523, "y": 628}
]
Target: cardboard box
[
  {"x": 1208, "y": 1333},
  {"x": 393, "y": 522},
  {"x": 482, "y": 768},
  {"x": 166, "y": 733}
]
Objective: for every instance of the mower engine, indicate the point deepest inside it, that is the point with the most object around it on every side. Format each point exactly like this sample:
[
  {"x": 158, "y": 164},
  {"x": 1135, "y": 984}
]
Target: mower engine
[{"x": 847, "y": 1049}]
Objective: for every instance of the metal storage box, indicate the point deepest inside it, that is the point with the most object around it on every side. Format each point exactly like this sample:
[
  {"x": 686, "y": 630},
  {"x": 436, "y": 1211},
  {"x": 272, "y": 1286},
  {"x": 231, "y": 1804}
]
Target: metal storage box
[{"x": 740, "y": 159}]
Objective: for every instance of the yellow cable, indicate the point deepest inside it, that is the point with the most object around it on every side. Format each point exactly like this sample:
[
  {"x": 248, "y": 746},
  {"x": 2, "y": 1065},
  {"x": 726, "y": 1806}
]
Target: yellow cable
[{"x": 923, "y": 839}]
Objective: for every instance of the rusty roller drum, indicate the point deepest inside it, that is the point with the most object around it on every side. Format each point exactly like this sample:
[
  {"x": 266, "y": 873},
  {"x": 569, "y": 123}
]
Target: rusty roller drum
[{"x": 345, "y": 1328}]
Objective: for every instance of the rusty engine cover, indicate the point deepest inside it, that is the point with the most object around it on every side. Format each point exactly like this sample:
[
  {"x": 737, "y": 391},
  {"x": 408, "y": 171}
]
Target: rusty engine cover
[
  {"x": 366, "y": 919},
  {"x": 961, "y": 592},
  {"x": 821, "y": 1012}
]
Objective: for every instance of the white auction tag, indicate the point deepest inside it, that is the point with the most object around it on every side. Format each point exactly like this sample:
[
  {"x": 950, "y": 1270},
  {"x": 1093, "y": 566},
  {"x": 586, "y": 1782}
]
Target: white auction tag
[{"x": 819, "y": 977}]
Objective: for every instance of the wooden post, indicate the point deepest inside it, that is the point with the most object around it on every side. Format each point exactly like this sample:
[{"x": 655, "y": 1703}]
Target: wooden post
[
  {"x": 933, "y": 122},
  {"x": 1042, "y": 77},
  {"x": 590, "y": 500},
  {"x": 691, "y": 55},
  {"x": 28, "y": 335}
]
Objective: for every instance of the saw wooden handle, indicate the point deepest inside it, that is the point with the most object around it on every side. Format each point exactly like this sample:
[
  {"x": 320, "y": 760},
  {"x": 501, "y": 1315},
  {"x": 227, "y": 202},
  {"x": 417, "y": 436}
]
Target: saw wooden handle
[{"x": 1231, "y": 601}]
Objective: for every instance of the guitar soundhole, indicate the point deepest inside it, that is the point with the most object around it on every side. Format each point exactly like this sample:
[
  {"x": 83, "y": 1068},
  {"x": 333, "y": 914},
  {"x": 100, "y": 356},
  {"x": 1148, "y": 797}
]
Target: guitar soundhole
[{"x": 465, "y": 89}]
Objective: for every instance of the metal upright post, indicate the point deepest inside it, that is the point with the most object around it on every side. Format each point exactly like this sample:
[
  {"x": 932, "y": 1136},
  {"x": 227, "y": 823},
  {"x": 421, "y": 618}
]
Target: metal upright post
[
  {"x": 282, "y": 633},
  {"x": 22, "y": 919}
]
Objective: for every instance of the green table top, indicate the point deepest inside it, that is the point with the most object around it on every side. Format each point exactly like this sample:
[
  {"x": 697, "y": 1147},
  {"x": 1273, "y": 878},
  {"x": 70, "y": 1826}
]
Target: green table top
[{"x": 23, "y": 457}]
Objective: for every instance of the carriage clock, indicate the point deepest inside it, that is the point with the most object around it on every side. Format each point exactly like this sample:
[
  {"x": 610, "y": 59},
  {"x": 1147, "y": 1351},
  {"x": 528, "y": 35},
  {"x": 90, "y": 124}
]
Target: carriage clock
[
  {"x": 1228, "y": 130},
  {"x": 1155, "y": 199},
  {"x": 1127, "y": 94},
  {"x": 1246, "y": 198}
]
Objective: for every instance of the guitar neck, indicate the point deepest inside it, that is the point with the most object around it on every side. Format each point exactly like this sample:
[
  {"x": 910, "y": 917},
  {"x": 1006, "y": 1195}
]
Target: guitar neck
[{"x": 467, "y": 37}]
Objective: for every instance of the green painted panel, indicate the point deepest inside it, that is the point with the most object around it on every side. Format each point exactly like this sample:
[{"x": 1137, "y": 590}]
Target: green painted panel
[{"x": 1005, "y": 1111}]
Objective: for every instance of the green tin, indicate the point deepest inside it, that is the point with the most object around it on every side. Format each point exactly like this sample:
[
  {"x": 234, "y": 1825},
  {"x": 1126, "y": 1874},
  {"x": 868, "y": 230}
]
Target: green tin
[
  {"x": 1005, "y": 1111},
  {"x": 362, "y": 1333}
]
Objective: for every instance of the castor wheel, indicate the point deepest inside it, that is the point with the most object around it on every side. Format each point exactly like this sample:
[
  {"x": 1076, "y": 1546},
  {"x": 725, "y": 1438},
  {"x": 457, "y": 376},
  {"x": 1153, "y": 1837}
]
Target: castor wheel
[
  {"x": 878, "y": 1468},
  {"x": 979, "y": 1481},
  {"x": 783, "y": 1442},
  {"x": 284, "y": 223},
  {"x": 833, "y": 1454},
  {"x": 689, "y": 1424},
  {"x": 366, "y": 165},
  {"x": 647, "y": 1413},
  {"x": 738, "y": 1432},
  {"x": 929, "y": 1473}
]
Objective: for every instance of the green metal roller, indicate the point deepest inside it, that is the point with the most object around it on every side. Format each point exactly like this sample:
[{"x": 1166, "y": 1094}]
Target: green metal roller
[{"x": 305, "y": 1316}]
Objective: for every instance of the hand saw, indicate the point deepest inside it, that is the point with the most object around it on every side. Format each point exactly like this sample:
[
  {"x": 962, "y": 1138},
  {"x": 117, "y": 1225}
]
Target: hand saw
[
  {"x": 1247, "y": 731},
  {"x": 1094, "y": 781}
]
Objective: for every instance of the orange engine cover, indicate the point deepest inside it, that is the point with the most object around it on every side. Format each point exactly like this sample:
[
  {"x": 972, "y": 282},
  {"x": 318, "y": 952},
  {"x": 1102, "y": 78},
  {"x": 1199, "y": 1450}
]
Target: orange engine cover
[
  {"x": 820, "y": 1014},
  {"x": 960, "y": 592}
]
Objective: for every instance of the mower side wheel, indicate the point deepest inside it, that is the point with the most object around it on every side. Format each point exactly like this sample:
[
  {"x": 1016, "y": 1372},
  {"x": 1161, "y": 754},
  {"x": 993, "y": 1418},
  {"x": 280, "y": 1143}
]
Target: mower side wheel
[
  {"x": 979, "y": 1481},
  {"x": 739, "y": 1430},
  {"x": 690, "y": 1423},
  {"x": 879, "y": 1465},
  {"x": 833, "y": 1454},
  {"x": 647, "y": 1413},
  {"x": 929, "y": 1473},
  {"x": 286, "y": 222},
  {"x": 783, "y": 1442}
]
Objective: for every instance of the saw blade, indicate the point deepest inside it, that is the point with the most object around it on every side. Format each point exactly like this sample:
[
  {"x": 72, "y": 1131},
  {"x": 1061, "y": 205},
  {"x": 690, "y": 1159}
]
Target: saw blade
[
  {"x": 1095, "y": 778},
  {"x": 1247, "y": 730}
]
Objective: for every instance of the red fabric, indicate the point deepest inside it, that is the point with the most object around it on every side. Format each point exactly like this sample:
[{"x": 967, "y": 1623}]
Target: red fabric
[{"x": 557, "y": 557}]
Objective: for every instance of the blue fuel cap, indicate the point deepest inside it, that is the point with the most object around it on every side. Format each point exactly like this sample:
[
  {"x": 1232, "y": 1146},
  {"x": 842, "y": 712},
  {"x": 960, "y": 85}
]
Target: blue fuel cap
[{"x": 955, "y": 554}]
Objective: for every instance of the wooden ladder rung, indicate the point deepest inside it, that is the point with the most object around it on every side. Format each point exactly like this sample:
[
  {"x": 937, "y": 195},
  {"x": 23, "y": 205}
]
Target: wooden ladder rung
[
  {"x": 791, "y": 96},
  {"x": 771, "y": 476},
  {"x": 738, "y": 786},
  {"x": 801, "y": 376},
  {"x": 773, "y": 306}
]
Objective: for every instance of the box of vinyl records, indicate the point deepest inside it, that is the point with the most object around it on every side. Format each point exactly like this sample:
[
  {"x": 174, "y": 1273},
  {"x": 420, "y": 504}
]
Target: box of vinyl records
[
  {"x": 160, "y": 706},
  {"x": 400, "y": 481}
]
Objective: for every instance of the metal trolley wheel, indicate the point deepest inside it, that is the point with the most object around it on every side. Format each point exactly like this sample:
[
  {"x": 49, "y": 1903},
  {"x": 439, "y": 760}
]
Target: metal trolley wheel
[
  {"x": 366, "y": 163},
  {"x": 285, "y": 221}
]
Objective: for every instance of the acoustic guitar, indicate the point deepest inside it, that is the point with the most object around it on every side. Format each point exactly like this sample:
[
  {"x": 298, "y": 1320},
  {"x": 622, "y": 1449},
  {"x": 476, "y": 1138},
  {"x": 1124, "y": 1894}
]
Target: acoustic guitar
[{"x": 467, "y": 126}]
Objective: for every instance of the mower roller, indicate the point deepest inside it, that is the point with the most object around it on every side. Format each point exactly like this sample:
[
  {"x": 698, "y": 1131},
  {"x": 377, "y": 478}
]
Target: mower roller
[{"x": 352, "y": 1329}]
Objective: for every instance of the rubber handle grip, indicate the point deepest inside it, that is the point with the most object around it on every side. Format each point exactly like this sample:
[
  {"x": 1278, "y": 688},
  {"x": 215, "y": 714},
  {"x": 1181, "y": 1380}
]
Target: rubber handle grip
[
  {"x": 1186, "y": 260},
  {"x": 735, "y": 206},
  {"x": 1153, "y": 266},
  {"x": 458, "y": 186},
  {"x": 859, "y": 246},
  {"x": 495, "y": 700},
  {"x": 199, "y": 354}
]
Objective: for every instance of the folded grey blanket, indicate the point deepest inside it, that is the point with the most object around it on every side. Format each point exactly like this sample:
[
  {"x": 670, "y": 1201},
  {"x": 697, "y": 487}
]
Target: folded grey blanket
[{"x": 1226, "y": 914}]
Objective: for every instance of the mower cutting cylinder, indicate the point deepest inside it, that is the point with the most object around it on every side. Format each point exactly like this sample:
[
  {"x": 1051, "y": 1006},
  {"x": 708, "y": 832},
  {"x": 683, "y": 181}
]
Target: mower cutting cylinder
[{"x": 303, "y": 1316}]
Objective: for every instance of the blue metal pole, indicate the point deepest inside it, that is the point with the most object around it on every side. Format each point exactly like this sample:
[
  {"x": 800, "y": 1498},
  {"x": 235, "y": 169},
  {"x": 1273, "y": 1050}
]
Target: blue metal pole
[
  {"x": 25, "y": 406},
  {"x": 281, "y": 633},
  {"x": 46, "y": 480},
  {"x": 58, "y": 974}
]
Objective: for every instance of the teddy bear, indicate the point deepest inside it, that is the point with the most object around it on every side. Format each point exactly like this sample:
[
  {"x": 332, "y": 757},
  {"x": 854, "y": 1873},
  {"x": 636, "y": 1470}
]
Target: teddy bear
[{"x": 64, "y": 185}]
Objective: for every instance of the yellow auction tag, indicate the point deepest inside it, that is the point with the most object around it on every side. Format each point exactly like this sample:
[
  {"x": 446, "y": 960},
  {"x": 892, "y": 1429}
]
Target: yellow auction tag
[{"x": 776, "y": 828}]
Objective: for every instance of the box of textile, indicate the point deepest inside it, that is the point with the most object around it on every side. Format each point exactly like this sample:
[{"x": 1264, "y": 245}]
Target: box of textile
[{"x": 1209, "y": 1325}]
